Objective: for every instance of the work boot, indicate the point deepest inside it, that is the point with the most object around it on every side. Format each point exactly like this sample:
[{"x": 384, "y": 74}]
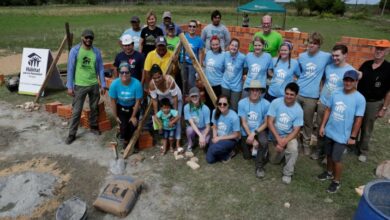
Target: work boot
[{"x": 70, "y": 139}]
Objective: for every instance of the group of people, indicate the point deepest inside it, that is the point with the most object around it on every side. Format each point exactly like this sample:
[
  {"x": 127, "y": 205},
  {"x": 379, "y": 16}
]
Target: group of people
[{"x": 249, "y": 112}]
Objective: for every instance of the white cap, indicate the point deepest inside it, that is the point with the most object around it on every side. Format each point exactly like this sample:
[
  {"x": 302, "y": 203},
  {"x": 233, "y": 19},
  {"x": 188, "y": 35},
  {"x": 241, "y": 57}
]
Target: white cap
[{"x": 126, "y": 39}]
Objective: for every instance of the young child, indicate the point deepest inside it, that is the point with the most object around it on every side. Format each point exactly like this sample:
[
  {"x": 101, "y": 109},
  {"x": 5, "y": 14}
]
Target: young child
[{"x": 167, "y": 117}]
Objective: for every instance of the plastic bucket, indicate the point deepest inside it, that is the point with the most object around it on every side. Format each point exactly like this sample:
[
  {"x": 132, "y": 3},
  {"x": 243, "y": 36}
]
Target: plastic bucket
[{"x": 375, "y": 202}]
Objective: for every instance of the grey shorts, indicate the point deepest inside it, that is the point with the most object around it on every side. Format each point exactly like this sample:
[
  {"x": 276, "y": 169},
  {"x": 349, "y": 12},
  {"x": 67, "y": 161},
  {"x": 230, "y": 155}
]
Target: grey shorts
[{"x": 334, "y": 149}]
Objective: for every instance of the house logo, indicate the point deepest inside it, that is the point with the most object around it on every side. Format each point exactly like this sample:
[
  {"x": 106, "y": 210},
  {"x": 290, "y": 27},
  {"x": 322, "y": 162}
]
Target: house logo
[
  {"x": 284, "y": 118},
  {"x": 281, "y": 73},
  {"x": 210, "y": 65},
  {"x": 340, "y": 107},
  {"x": 222, "y": 129},
  {"x": 252, "y": 116},
  {"x": 230, "y": 70},
  {"x": 86, "y": 61},
  {"x": 255, "y": 69},
  {"x": 34, "y": 60},
  {"x": 310, "y": 69}
]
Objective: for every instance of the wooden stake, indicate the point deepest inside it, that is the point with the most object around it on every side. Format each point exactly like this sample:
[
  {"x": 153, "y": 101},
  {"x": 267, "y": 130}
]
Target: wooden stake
[
  {"x": 198, "y": 68},
  {"x": 69, "y": 36},
  {"x": 51, "y": 70}
]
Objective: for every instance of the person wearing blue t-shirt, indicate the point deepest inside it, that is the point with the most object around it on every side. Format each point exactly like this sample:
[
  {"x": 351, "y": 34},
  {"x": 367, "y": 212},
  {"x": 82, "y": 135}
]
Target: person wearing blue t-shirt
[
  {"x": 226, "y": 131},
  {"x": 134, "y": 32},
  {"x": 214, "y": 67},
  {"x": 285, "y": 118},
  {"x": 312, "y": 64},
  {"x": 232, "y": 77},
  {"x": 197, "y": 115},
  {"x": 188, "y": 72},
  {"x": 126, "y": 94},
  {"x": 253, "y": 114},
  {"x": 340, "y": 126},
  {"x": 257, "y": 64},
  {"x": 285, "y": 69},
  {"x": 334, "y": 74}
]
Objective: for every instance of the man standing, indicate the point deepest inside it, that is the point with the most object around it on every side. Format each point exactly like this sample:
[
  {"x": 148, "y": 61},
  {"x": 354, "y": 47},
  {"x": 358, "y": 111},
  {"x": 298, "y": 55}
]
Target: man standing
[
  {"x": 134, "y": 58},
  {"x": 167, "y": 20},
  {"x": 253, "y": 114},
  {"x": 134, "y": 31},
  {"x": 312, "y": 64},
  {"x": 85, "y": 67},
  {"x": 216, "y": 29},
  {"x": 273, "y": 39},
  {"x": 375, "y": 87},
  {"x": 340, "y": 126},
  {"x": 334, "y": 74},
  {"x": 285, "y": 118}
]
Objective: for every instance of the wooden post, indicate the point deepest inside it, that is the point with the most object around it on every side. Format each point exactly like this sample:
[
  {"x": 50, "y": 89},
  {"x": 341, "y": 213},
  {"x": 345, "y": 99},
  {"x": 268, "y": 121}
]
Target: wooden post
[
  {"x": 198, "y": 68},
  {"x": 137, "y": 133},
  {"x": 69, "y": 36},
  {"x": 51, "y": 69}
]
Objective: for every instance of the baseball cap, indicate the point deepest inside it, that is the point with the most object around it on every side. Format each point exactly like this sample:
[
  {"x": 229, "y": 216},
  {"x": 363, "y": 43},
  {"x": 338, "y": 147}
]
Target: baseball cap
[
  {"x": 126, "y": 39},
  {"x": 88, "y": 33},
  {"x": 160, "y": 40},
  {"x": 381, "y": 43},
  {"x": 351, "y": 74},
  {"x": 171, "y": 27},
  {"x": 135, "y": 19},
  {"x": 194, "y": 91},
  {"x": 167, "y": 14}
]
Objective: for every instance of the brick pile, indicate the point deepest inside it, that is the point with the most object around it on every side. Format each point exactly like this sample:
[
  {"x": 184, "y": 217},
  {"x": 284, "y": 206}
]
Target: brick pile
[
  {"x": 52, "y": 107},
  {"x": 145, "y": 140},
  {"x": 64, "y": 111},
  {"x": 103, "y": 123},
  {"x": 359, "y": 50}
]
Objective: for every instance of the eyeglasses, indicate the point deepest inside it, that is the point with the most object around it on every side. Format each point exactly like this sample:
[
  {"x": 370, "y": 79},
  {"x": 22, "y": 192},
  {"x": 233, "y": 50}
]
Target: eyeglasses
[
  {"x": 222, "y": 104},
  {"x": 88, "y": 37},
  {"x": 124, "y": 72},
  {"x": 194, "y": 96},
  {"x": 191, "y": 26}
]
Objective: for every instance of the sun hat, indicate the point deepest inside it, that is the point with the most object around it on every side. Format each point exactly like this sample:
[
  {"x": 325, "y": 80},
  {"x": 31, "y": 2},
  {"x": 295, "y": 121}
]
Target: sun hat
[{"x": 255, "y": 84}]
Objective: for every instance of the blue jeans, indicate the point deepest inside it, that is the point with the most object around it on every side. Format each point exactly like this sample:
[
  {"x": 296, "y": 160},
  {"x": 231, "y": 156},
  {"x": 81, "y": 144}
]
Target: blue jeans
[
  {"x": 220, "y": 151},
  {"x": 188, "y": 77}
]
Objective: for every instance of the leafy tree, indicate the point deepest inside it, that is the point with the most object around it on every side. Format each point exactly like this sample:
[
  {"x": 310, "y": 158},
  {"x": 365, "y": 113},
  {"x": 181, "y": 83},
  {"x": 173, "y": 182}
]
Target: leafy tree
[{"x": 300, "y": 6}]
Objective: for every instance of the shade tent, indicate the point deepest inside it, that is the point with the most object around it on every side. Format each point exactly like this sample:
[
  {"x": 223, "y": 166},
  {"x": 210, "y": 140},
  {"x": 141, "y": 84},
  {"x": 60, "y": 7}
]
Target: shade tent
[{"x": 261, "y": 6}]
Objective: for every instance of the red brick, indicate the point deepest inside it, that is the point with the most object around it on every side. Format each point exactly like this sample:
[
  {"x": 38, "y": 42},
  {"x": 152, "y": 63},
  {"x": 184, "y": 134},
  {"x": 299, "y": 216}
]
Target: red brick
[
  {"x": 64, "y": 111},
  {"x": 354, "y": 41},
  {"x": 345, "y": 39},
  {"x": 52, "y": 107},
  {"x": 105, "y": 125},
  {"x": 145, "y": 140},
  {"x": 363, "y": 41}
]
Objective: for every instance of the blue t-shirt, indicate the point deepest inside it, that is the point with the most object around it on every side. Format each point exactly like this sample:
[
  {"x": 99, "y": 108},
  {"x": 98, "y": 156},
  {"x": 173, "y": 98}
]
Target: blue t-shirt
[
  {"x": 232, "y": 76},
  {"x": 312, "y": 71},
  {"x": 126, "y": 95},
  {"x": 282, "y": 76},
  {"x": 166, "y": 118},
  {"x": 257, "y": 68},
  {"x": 136, "y": 35},
  {"x": 333, "y": 80},
  {"x": 201, "y": 116},
  {"x": 196, "y": 44},
  {"x": 285, "y": 117},
  {"x": 343, "y": 109},
  {"x": 214, "y": 69},
  {"x": 226, "y": 124},
  {"x": 253, "y": 113}
]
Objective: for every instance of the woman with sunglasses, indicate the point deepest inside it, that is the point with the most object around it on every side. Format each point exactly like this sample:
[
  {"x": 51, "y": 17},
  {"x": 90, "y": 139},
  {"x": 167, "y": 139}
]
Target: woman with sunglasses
[
  {"x": 164, "y": 86},
  {"x": 149, "y": 34},
  {"x": 126, "y": 95},
  {"x": 285, "y": 70},
  {"x": 214, "y": 68},
  {"x": 258, "y": 64},
  {"x": 232, "y": 77},
  {"x": 226, "y": 131},
  {"x": 198, "y": 117}
]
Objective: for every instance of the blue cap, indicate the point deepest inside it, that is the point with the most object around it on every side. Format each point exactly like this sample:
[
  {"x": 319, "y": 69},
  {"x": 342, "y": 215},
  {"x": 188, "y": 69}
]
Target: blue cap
[{"x": 351, "y": 74}]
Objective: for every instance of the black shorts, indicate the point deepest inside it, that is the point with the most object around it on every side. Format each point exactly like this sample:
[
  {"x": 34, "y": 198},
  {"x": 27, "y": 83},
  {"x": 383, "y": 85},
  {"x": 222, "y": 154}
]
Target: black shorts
[{"x": 334, "y": 149}]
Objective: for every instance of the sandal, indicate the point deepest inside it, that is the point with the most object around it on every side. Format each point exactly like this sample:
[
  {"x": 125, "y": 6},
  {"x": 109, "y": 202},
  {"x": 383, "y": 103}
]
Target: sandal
[{"x": 163, "y": 150}]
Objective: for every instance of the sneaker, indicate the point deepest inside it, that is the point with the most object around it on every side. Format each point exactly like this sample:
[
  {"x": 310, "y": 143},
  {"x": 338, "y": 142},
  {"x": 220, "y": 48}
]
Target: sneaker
[
  {"x": 325, "y": 176},
  {"x": 362, "y": 158},
  {"x": 260, "y": 173},
  {"x": 286, "y": 179},
  {"x": 254, "y": 152},
  {"x": 315, "y": 156},
  {"x": 189, "y": 149},
  {"x": 231, "y": 155},
  {"x": 333, "y": 187},
  {"x": 70, "y": 139},
  {"x": 95, "y": 131}
]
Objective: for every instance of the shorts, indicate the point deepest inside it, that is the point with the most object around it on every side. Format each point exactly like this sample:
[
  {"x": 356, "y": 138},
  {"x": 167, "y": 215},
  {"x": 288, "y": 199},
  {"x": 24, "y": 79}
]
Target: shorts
[
  {"x": 334, "y": 149},
  {"x": 169, "y": 134}
]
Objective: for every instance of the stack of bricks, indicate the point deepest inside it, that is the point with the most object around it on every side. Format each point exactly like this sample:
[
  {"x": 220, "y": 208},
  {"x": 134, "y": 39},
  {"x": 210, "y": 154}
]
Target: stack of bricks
[
  {"x": 145, "y": 140},
  {"x": 103, "y": 123},
  {"x": 64, "y": 111},
  {"x": 359, "y": 50},
  {"x": 109, "y": 79},
  {"x": 52, "y": 107}
]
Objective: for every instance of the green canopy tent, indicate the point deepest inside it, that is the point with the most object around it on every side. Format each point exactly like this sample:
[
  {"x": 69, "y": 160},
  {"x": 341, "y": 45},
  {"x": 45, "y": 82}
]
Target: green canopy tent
[{"x": 259, "y": 6}]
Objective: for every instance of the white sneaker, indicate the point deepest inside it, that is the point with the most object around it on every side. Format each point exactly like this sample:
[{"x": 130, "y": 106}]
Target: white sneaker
[
  {"x": 254, "y": 152},
  {"x": 286, "y": 179},
  {"x": 362, "y": 158}
]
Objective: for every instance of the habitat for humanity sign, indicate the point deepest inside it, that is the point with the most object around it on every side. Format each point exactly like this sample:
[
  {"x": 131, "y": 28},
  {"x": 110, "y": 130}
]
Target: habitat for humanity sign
[{"x": 35, "y": 63}]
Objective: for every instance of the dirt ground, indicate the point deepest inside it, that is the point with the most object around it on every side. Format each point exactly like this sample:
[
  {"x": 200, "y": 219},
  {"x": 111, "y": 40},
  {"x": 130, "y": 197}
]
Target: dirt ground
[{"x": 34, "y": 142}]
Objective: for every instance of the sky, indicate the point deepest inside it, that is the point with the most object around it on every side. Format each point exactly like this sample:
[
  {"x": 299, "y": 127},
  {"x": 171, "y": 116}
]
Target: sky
[{"x": 368, "y": 2}]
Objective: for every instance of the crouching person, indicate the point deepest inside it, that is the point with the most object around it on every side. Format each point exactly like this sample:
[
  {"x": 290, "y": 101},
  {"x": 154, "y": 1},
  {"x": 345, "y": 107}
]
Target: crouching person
[
  {"x": 285, "y": 118},
  {"x": 226, "y": 131},
  {"x": 340, "y": 126},
  {"x": 126, "y": 95},
  {"x": 253, "y": 112},
  {"x": 197, "y": 115}
]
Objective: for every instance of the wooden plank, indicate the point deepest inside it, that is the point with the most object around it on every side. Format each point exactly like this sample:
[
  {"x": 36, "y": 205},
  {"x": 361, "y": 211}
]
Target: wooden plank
[
  {"x": 137, "y": 133},
  {"x": 51, "y": 69},
  {"x": 69, "y": 36},
  {"x": 198, "y": 68}
]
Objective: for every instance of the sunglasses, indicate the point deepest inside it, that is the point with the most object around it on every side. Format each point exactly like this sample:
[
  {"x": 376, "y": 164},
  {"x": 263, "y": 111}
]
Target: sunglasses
[
  {"x": 191, "y": 26},
  {"x": 89, "y": 37},
  {"x": 124, "y": 72},
  {"x": 222, "y": 104}
]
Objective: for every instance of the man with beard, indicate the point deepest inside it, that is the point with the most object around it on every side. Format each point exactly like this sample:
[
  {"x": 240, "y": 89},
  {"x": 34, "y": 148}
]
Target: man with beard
[
  {"x": 85, "y": 68},
  {"x": 216, "y": 29}
]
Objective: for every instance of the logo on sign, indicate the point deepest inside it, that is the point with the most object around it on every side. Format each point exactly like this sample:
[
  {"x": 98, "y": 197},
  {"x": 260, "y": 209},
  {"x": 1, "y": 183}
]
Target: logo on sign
[{"x": 35, "y": 59}]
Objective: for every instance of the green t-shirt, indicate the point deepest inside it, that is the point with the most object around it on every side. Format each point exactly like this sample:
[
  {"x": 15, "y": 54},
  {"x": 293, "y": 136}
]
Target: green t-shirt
[
  {"x": 172, "y": 42},
  {"x": 273, "y": 41},
  {"x": 85, "y": 68}
]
